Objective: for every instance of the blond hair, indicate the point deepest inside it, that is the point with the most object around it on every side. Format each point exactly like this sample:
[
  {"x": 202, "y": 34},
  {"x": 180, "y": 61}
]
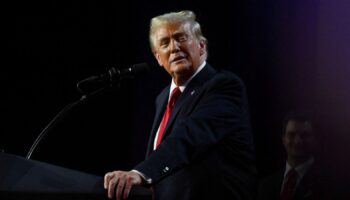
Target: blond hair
[{"x": 176, "y": 17}]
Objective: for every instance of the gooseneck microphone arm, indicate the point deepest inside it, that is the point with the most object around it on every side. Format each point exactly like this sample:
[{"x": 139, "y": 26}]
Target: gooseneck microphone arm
[
  {"x": 57, "y": 119},
  {"x": 89, "y": 87},
  {"x": 54, "y": 121}
]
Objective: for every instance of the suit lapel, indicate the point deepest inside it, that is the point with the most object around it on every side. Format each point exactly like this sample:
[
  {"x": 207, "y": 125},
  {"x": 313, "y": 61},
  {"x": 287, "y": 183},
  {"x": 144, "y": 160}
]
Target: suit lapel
[
  {"x": 304, "y": 188},
  {"x": 192, "y": 89},
  {"x": 276, "y": 184},
  {"x": 160, "y": 109}
]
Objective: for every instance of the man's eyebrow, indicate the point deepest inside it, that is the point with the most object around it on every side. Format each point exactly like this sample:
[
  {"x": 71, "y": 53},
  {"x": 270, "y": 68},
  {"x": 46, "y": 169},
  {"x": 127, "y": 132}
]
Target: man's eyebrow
[{"x": 179, "y": 33}]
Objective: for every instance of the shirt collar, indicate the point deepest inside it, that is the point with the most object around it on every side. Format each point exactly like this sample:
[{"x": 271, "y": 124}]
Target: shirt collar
[
  {"x": 300, "y": 169},
  {"x": 182, "y": 87}
]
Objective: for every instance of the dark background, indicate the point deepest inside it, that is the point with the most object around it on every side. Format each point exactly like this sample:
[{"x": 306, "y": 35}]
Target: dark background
[{"x": 290, "y": 54}]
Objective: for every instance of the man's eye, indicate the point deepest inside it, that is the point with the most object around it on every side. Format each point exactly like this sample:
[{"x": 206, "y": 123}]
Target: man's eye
[
  {"x": 182, "y": 38},
  {"x": 164, "y": 44},
  {"x": 291, "y": 133}
]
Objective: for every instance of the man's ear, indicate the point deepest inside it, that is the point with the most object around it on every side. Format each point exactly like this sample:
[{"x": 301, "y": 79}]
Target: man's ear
[
  {"x": 283, "y": 138},
  {"x": 202, "y": 46},
  {"x": 157, "y": 56}
]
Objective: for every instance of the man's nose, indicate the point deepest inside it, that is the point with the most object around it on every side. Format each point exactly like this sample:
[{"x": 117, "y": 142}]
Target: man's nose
[
  {"x": 174, "y": 46},
  {"x": 298, "y": 139}
]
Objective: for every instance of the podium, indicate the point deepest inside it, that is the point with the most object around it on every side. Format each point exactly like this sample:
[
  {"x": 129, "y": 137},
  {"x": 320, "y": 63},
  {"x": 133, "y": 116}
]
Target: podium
[{"x": 21, "y": 178}]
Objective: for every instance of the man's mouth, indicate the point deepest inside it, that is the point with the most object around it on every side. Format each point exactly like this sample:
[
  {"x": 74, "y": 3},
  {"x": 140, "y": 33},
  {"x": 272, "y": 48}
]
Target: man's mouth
[{"x": 178, "y": 58}]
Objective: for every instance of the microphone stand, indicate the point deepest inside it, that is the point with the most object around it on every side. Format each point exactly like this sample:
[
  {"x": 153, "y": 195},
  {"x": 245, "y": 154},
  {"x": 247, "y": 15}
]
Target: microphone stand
[{"x": 59, "y": 117}]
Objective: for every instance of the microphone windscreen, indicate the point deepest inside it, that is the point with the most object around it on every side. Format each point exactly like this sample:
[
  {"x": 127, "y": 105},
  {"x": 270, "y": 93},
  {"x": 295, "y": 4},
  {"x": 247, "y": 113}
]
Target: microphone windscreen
[{"x": 140, "y": 68}]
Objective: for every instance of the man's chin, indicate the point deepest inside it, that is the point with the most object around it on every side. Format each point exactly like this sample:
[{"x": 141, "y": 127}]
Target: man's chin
[
  {"x": 301, "y": 156},
  {"x": 180, "y": 67}
]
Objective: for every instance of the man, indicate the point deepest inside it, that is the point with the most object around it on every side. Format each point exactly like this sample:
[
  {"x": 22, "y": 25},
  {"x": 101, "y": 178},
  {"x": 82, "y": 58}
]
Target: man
[
  {"x": 301, "y": 178},
  {"x": 203, "y": 147}
]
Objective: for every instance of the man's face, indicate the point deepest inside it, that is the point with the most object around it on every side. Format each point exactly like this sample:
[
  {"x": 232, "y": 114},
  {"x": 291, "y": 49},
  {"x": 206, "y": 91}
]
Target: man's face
[
  {"x": 298, "y": 139},
  {"x": 178, "y": 50}
]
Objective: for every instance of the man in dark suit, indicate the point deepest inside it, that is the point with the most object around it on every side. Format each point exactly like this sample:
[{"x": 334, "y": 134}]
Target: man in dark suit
[
  {"x": 201, "y": 146},
  {"x": 302, "y": 178}
]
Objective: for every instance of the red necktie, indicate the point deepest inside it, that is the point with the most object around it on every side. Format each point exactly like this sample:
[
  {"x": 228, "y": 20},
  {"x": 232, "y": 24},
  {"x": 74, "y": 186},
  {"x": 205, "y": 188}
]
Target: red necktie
[
  {"x": 288, "y": 188},
  {"x": 174, "y": 95}
]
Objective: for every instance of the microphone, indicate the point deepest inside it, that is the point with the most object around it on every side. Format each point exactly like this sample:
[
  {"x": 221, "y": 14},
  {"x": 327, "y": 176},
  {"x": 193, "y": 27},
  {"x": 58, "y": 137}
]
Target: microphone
[{"x": 112, "y": 76}]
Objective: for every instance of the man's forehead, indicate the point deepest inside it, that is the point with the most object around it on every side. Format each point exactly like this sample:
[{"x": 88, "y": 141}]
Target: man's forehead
[
  {"x": 172, "y": 28},
  {"x": 294, "y": 124}
]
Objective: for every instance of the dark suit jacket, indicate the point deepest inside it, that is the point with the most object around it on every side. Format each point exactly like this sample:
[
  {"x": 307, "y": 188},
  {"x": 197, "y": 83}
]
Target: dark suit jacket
[
  {"x": 207, "y": 148},
  {"x": 313, "y": 186}
]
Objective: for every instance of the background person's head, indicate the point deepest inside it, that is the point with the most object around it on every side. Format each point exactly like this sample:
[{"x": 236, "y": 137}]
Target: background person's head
[{"x": 299, "y": 137}]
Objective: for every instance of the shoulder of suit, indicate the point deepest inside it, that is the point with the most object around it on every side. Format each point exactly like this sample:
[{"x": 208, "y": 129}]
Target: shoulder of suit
[
  {"x": 273, "y": 175},
  {"x": 225, "y": 75},
  {"x": 163, "y": 92}
]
